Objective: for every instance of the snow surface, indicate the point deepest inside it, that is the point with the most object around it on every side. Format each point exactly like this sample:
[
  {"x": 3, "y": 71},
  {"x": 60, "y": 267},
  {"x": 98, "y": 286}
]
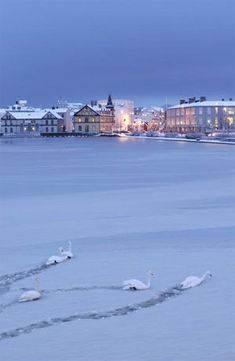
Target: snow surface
[{"x": 128, "y": 206}]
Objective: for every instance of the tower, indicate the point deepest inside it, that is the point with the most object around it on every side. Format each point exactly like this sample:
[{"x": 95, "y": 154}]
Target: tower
[
  {"x": 110, "y": 109},
  {"x": 110, "y": 105}
]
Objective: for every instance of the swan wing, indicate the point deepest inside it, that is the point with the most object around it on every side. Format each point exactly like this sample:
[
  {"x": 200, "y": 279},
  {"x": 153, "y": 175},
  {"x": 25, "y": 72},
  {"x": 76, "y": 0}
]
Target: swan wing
[
  {"x": 190, "y": 281},
  {"x": 56, "y": 259},
  {"x": 129, "y": 282},
  {"x": 29, "y": 296},
  {"x": 67, "y": 254},
  {"x": 51, "y": 260},
  {"x": 134, "y": 283}
]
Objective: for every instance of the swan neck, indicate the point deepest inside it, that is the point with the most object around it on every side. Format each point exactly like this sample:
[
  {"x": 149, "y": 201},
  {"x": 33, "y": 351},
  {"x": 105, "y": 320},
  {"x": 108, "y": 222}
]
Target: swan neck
[
  {"x": 61, "y": 250},
  {"x": 204, "y": 276}
]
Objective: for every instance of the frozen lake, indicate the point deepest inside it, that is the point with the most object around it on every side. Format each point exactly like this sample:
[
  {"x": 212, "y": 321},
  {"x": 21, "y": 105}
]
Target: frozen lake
[{"x": 127, "y": 206}]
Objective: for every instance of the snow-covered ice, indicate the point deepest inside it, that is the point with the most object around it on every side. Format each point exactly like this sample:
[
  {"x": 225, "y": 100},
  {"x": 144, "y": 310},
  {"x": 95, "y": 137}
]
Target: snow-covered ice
[{"x": 127, "y": 206}]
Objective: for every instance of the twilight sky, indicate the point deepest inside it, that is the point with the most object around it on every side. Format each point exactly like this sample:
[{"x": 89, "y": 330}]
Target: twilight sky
[{"x": 145, "y": 50}]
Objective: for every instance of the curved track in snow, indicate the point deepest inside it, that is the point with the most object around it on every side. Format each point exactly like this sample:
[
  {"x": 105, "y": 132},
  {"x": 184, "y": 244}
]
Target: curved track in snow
[{"x": 120, "y": 311}]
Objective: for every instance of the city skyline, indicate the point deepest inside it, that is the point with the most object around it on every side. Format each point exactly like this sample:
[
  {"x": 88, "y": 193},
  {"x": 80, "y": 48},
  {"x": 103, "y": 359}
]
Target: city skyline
[{"x": 151, "y": 52}]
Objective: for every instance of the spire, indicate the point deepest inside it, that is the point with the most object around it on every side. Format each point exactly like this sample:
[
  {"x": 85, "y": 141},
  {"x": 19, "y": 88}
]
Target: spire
[{"x": 110, "y": 103}]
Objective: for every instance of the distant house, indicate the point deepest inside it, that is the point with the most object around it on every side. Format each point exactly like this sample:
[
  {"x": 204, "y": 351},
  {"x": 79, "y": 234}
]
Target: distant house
[
  {"x": 87, "y": 120},
  {"x": 94, "y": 119},
  {"x": 31, "y": 122}
]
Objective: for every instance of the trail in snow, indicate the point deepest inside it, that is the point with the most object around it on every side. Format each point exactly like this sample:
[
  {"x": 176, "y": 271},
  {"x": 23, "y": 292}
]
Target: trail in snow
[
  {"x": 121, "y": 311},
  {"x": 88, "y": 288},
  {"x": 10, "y": 278}
]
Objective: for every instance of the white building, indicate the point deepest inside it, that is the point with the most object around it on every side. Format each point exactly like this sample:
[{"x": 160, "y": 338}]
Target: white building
[
  {"x": 31, "y": 122},
  {"x": 201, "y": 115}
]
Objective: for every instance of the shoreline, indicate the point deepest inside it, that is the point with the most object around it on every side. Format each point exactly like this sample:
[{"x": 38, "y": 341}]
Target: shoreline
[
  {"x": 159, "y": 138},
  {"x": 207, "y": 141}
]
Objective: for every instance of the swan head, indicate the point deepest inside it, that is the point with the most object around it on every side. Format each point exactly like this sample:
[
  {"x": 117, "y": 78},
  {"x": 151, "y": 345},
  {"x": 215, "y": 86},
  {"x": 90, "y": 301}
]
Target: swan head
[
  {"x": 150, "y": 273},
  {"x": 209, "y": 274}
]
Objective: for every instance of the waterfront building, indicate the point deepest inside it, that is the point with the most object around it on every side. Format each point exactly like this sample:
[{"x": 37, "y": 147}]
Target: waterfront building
[
  {"x": 124, "y": 114},
  {"x": 95, "y": 118},
  {"x": 31, "y": 122},
  {"x": 201, "y": 116}
]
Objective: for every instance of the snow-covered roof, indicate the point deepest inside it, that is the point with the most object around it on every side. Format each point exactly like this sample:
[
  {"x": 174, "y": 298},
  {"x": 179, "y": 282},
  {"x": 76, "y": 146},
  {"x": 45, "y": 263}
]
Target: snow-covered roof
[
  {"x": 99, "y": 109},
  {"x": 33, "y": 115},
  {"x": 157, "y": 109},
  {"x": 206, "y": 103}
]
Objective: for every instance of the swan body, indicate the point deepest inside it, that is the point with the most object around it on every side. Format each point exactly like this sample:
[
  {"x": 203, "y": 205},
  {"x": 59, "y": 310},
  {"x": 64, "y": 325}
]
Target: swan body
[
  {"x": 193, "y": 281},
  {"x": 135, "y": 285},
  {"x": 67, "y": 253},
  {"x": 56, "y": 259},
  {"x": 31, "y": 295}
]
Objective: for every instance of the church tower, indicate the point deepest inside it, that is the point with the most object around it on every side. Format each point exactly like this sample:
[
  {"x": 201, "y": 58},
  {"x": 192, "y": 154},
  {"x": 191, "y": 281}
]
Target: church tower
[
  {"x": 110, "y": 105},
  {"x": 110, "y": 109}
]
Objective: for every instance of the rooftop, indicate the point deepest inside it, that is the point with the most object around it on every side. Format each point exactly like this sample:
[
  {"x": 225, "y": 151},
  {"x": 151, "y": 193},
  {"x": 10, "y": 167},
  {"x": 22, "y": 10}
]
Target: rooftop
[
  {"x": 206, "y": 103},
  {"x": 33, "y": 114}
]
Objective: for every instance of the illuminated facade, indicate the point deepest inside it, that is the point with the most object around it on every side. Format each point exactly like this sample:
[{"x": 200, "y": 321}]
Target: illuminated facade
[
  {"x": 95, "y": 119},
  {"x": 148, "y": 119},
  {"x": 201, "y": 116},
  {"x": 124, "y": 114}
]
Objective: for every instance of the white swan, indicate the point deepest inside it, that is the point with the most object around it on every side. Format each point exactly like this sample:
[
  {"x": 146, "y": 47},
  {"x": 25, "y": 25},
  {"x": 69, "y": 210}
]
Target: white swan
[
  {"x": 135, "y": 285},
  {"x": 193, "y": 281},
  {"x": 56, "y": 259},
  {"x": 31, "y": 295},
  {"x": 67, "y": 253}
]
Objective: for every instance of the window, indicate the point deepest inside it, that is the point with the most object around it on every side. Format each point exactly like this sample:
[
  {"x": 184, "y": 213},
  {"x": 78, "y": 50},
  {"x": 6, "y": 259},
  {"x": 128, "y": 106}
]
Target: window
[
  {"x": 86, "y": 119},
  {"x": 46, "y": 122},
  {"x": 87, "y": 128},
  {"x": 46, "y": 129},
  {"x": 79, "y": 128},
  {"x": 52, "y": 130},
  {"x": 11, "y": 130},
  {"x": 52, "y": 122},
  {"x": 5, "y": 130}
]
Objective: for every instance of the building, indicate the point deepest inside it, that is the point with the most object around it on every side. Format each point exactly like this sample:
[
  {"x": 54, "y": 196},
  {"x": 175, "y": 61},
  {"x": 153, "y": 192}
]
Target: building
[
  {"x": 124, "y": 114},
  {"x": 95, "y": 119},
  {"x": 148, "y": 119},
  {"x": 31, "y": 122},
  {"x": 201, "y": 116}
]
